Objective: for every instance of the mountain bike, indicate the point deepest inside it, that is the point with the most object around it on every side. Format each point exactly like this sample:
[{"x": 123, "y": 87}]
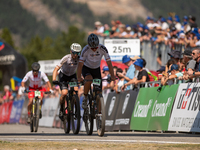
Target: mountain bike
[
  {"x": 35, "y": 112},
  {"x": 95, "y": 109},
  {"x": 71, "y": 108}
]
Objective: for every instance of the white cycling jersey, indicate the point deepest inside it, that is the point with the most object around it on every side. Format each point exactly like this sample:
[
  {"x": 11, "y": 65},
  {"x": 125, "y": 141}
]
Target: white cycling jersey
[
  {"x": 68, "y": 65},
  {"x": 92, "y": 59},
  {"x": 35, "y": 81}
]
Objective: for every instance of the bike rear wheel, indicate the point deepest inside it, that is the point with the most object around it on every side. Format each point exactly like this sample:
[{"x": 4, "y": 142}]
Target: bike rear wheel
[
  {"x": 75, "y": 115},
  {"x": 36, "y": 116},
  {"x": 88, "y": 118},
  {"x": 100, "y": 116},
  {"x": 66, "y": 117}
]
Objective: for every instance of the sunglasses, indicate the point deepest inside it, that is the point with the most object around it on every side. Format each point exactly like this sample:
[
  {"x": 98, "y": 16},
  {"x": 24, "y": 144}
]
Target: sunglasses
[
  {"x": 35, "y": 70},
  {"x": 76, "y": 53}
]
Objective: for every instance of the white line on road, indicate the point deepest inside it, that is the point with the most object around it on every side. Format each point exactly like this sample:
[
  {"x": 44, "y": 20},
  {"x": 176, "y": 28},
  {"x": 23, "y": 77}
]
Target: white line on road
[{"x": 96, "y": 140}]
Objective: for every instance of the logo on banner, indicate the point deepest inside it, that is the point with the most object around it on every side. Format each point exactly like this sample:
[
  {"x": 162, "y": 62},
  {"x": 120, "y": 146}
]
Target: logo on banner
[
  {"x": 160, "y": 109},
  {"x": 142, "y": 110},
  {"x": 189, "y": 99},
  {"x": 125, "y": 103},
  {"x": 112, "y": 104}
]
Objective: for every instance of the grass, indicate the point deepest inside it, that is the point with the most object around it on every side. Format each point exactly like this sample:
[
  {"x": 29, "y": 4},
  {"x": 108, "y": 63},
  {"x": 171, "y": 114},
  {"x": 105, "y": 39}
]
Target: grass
[{"x": 50, "y": 145}]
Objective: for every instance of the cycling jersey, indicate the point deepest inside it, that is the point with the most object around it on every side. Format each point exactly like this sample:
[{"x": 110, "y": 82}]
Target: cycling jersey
[
  {"x": 35, "y": 82},
  {"x": 92, "y": 59},
  {"x": 68, "y": 65}
]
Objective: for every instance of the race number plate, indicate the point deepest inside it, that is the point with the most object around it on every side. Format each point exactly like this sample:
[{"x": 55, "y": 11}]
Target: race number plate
[
  {"x": 73, "y": 84},
  {"x": 37, "y": 93},
  {"x": 97, "y": 82}
]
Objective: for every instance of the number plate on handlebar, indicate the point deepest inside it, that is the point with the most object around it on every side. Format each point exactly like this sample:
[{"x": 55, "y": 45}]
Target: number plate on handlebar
[
  {"x": 73, "y": 84},
  {"x": 37, "y": 93},
  {"x": 96, "y": 82}
]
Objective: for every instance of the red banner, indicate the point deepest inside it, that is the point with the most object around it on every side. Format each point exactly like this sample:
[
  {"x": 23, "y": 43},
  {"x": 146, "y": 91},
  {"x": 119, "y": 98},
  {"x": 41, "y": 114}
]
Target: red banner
[{"x": 5, "y": 111}]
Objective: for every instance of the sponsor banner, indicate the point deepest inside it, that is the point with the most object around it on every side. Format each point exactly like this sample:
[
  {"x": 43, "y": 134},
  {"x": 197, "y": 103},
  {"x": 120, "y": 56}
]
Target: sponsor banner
[
  {"x": 125, "y": 108},
  {"x": 5, "y": 112},
  {"x": 111, "y": 109},
  {"x": 24, "y": 112},
  {"x": 185, "y": 114},
  {"x": 57, "y": 122},
  {"x": 16, "y": 111},
  {"x": 152, "y": 108},
  {"x": 120, "y": 47},
  {"x": 49, "y": 110}
]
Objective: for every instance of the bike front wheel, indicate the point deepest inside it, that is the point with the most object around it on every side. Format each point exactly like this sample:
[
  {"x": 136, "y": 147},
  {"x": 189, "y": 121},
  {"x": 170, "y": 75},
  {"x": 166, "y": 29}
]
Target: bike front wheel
[
  {"x": 88, "y": 118},
  {"x": 100, "y": 116},
  {"x": 66, "y": 119},
  {"x": 75, "y": 115},
  {"x": 36, "y": 116}
]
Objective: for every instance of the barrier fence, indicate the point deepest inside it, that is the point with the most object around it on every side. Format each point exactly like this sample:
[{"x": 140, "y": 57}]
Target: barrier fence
[{"x": 173, "y": 108}]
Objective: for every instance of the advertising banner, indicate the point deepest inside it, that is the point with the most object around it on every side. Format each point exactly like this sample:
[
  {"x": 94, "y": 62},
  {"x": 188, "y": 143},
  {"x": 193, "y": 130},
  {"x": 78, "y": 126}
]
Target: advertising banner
[
  {"x": 125, "y": 108},
  {"x": 185, "y": 114},
  {"x": 49, "y": 109},
  {"x": 152, "y": 108},
  {"x": 24, "y": 112},
  {"x": 5, "y": 112},
  {"x": 16, "y": 111},
  {"x": 120, "y": 47},
  {"x": 111, "y": 109}
]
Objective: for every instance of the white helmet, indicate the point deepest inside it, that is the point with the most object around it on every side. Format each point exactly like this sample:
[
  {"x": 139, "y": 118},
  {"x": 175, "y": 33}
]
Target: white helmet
[
  {"x": 93, "y": 40},
  {"x": 75, "y": 47}
]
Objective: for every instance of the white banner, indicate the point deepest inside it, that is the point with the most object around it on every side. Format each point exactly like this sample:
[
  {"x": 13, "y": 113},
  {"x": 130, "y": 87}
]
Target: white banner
[
  {"x": 185, "y": 114},
  {"x": 49, "y": 112},
  {"x": 117, "y": 48},
  {"x": 47, "y": 66}
]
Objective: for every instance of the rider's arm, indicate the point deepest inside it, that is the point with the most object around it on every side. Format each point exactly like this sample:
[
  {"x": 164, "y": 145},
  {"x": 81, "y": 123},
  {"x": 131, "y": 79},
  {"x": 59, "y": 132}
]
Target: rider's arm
[
  {"x": 110, "y": 68},
  {"x": 79, "y": 69},
  {"x": 55, "y": 71}
]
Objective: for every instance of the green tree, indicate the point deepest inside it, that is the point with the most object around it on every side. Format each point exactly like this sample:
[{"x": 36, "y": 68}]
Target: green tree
[{"x": 6, "y": 36}]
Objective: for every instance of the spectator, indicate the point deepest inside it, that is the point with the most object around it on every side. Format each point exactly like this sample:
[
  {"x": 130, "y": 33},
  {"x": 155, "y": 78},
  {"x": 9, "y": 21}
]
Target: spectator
[
  {"x": 130, "y": 72},
  {"x": 196, "y": 57},
  {"x": 174, "y": 70},
  {"x": 192, "y": 21},
  {"x": 161, "y": 71},
  {"x": 120, "y": 82},
  {"x": 7, "y": 93},
  {"x": 141, "y": 77},
  {"x": 106, "y": 75},
  {"x": 99, "y": 28}
]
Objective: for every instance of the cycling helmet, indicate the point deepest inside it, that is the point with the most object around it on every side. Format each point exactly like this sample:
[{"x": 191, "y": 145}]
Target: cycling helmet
[
  {"x": 75, "y": 47},
  {"x": 35, "y": 66},
  {"x": 93, "y": 40}
]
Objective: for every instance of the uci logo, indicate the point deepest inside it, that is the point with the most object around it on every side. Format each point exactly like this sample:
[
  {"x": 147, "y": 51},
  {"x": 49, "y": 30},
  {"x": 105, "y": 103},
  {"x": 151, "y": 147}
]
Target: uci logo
[
  {"x": 112, "y": 104},
  {"x": 125, "y": 103}
]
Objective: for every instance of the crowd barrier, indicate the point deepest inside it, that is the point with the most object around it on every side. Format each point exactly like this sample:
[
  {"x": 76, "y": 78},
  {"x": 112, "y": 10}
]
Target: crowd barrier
[{"x": 173, "y": 108}]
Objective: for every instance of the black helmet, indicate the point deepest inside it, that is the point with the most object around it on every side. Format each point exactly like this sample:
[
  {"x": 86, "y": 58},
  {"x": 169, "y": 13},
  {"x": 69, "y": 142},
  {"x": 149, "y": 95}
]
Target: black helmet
[
  {"x": 35, "y": 66},
  {"x": 93, "y": 40}
]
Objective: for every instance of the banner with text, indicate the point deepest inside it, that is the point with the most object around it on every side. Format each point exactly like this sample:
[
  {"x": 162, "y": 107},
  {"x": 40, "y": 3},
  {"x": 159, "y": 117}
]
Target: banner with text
[
  {"x": 119, "y": 47},
  {"x": 185, "y": 114},
  {"x": 152, "y": 108}
]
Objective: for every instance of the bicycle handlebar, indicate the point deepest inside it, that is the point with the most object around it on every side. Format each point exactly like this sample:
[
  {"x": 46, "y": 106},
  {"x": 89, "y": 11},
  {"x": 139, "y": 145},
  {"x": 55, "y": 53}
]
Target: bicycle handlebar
[{"x": 45, "y": 92}]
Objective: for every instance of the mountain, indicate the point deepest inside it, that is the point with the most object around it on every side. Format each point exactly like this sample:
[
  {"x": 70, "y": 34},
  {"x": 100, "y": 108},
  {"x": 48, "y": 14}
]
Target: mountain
[{"x": 28, "y": 18}]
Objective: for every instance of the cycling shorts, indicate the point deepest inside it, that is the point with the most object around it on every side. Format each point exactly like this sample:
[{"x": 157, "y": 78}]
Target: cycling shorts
[
  {"x": 95, "y": 73},
  {"x": 65, "y": 78},
  {"x": 32, "y": 94}
]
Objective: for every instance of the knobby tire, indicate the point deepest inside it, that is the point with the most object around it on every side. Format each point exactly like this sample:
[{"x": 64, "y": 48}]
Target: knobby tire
[{"x": 75, "y": 114}]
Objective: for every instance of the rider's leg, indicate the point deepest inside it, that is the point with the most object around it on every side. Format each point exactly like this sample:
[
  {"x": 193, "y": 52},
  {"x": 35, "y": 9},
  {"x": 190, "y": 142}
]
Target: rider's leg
[
  {"x": 86, "y": 90},
  {"x": 62, "y": 102},
  {"x": 29, "y": 109}
]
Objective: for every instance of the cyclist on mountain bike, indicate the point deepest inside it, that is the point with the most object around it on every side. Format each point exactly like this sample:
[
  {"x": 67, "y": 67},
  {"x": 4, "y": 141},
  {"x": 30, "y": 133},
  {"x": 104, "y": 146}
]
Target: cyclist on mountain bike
[
  {"x": 89, "y": 64},
  {"x": 68, "y": 66},
  {"x": 35, "y": 83}
]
